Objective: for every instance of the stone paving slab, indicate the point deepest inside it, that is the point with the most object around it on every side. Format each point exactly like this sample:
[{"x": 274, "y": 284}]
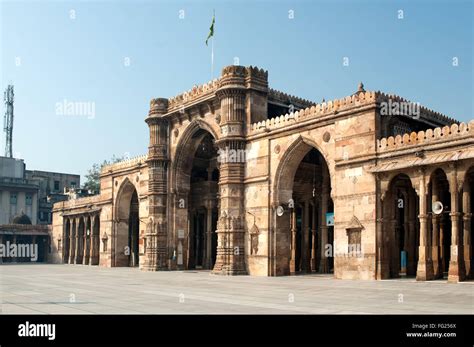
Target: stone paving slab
[{"x": 72, "y": 289}]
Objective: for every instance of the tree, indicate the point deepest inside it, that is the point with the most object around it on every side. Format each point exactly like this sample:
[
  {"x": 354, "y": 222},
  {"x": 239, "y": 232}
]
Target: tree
[{"x": 93, "y": 174}]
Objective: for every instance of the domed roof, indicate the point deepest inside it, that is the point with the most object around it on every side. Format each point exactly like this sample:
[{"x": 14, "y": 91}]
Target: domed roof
[{"x": 21, "y": 219}]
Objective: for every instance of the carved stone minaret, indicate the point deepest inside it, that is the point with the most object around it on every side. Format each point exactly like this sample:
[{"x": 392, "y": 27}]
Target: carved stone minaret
[
  {"x": 230, "y": 228},
  {"x": 242, "y": 94},
  {"x": 156, "y": 254}
]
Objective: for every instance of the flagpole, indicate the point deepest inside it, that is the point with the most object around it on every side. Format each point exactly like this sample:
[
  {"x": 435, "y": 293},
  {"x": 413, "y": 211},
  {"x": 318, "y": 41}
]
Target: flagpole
[
  {"x": 212, "y": 58},
  {"x": 212, "y": 44},
  {"x": 211, "y": 36}
]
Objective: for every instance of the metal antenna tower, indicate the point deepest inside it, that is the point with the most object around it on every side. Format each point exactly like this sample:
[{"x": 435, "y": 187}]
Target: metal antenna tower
[{"x": 8, "y": 120}]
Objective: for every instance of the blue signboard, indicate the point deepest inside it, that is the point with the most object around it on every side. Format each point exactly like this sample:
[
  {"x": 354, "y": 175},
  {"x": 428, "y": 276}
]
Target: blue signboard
[
  {"x": 403, "y": 263},
  {"x": 330, "y": 219}
]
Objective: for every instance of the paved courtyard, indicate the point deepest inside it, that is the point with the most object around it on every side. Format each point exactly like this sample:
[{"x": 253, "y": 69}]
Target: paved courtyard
[{"x": 72, "y": 289}]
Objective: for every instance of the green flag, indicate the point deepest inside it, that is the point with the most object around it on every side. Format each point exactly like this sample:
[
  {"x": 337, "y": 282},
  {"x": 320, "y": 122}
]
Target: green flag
[{"x": 211, "y": 29}]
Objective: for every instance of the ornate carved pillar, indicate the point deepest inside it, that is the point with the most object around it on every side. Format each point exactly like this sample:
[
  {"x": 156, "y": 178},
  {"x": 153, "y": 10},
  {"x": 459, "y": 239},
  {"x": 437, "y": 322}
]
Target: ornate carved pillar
[
  {"x": 425, "y": 265},
  {"x": 231, "y": 235},
  {"x": 157, "y": 255},
  {"x": 456, "y": 271},
  {"x": 467, "y": 242}
]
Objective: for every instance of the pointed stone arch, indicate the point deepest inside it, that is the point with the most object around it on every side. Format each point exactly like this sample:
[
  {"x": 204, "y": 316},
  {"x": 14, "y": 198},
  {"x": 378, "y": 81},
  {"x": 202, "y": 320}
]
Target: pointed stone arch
[
  {"x": 126, "y": 232},
  {"x": 180, "y": 165},
  {"x": 284, "y": 251},
  {"x": 400, "y": 228},
  {"x": 124, "y": 188},
  {"x": 288, "y": 165},
  {"x": 194, "y": 245}
]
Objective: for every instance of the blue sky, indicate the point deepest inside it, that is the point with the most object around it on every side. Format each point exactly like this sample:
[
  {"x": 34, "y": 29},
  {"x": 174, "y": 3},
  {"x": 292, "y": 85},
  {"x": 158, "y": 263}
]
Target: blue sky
[{"x": 51, "y": 57}]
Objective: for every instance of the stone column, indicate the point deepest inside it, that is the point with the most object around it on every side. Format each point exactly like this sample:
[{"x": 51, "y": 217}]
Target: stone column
[
  {"x": 305, "y": 255},
  {"x": 197, "y": 237},
  {"x": 208, "y": 258},
  {"x": 467, "y": 242},
  {"x": 190, "y": 249},
  {"x": 382, "y": 196},
  {"x": 293, "y": 241},
  {"x": 231, "y": 235},
  {"x": 406, "y": 240},
  {"x": 324, "y": 265},
  {"x": 381, "y": 270},
  {"x": 442, "y": 255},
  {"x": 425, "y": 265},
  {"x": 87, "y": 242},
  {"x": 208, "y": 236},
  {"x": 72, "y": 243},
  {"x": 62, "y": 251},
  {"x": 411, "y": 261},
  {"x": 394, "y": 247},
  {"x": 435, "y": 233},
  {"x": 314, "y": 239},
  {"x": 95, "y": 241},
  {"x": 456, "y": 271},
  {"x": 388, "y": 204},
  {"x": 79, "y": 242},
  {"x": 157, "y": 254}
]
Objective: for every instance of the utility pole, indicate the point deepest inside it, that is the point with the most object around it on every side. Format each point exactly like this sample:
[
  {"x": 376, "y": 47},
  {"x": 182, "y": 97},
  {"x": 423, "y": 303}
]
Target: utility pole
[{"x": 8, "y": 121}]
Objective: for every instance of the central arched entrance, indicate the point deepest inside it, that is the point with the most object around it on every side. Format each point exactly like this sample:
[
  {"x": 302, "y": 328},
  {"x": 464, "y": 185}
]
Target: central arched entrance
[
  {"x": 303, "y": 241},
  {"x": 126, "y": 249},
  {"x": 195, "y": 176},
  {"x": 204, "y": 178}
]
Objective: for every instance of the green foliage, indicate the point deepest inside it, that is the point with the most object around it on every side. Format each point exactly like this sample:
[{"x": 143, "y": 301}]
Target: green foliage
[{"x": 93, "y": 174}]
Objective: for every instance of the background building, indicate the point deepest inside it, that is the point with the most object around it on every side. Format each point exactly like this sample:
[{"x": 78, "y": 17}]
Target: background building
[
  {"x": 18, "y": 195},
  {"x": 26, "y": 200},
  {"x": 53, "y": 187}
]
